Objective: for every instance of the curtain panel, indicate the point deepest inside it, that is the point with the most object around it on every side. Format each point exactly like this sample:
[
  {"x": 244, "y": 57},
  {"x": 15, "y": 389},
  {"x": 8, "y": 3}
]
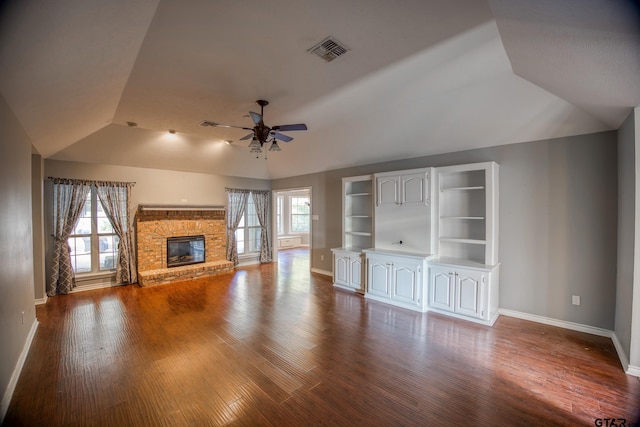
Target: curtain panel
[
  {"x": 261, "y": 201},
  {"x": 236, "y": 202},
  {"x": 69, "y": 200},
  {"x": 69, "y": 197},
  {"x": 115, "y": 199}
]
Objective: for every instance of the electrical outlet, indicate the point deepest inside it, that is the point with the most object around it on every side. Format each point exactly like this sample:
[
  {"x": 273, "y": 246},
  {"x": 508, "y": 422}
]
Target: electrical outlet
[
  {"x": 183, "y": 200},
  {"x": 321, "y": 257},
  {"x": 575, "y": 299}
]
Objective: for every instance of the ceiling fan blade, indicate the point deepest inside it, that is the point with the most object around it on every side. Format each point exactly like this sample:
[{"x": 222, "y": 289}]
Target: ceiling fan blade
[
  {"x": 220, "y": 125},
  {"x": 286, "y": 128},
  {"x": 281, "y": 137},
  {"x": 247, "y": 137},
  {"x": 257, "y": 118}
]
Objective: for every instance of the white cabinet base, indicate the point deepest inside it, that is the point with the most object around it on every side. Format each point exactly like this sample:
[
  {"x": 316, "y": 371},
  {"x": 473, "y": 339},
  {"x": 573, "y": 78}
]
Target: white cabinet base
[
  {"x": 348, "y": 271},
  {"x": 464, "y": 291},
  {"x": 397, "y": 278}
]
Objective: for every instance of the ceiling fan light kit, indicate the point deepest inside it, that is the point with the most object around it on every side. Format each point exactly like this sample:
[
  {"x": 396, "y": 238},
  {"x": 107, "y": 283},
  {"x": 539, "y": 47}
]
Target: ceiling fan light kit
[{"x": 261, "y": 133}]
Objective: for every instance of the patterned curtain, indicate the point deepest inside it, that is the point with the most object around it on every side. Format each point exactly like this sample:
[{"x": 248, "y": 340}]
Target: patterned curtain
[
  {"x": 115, "y": 197},
  {"x": 69, "y": 197},
  {"x": 236, "y": 202},
  {"x": 261, "y": 201}
]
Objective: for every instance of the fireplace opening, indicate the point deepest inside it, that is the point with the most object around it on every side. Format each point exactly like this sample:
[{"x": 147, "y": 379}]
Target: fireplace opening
[{"x": 185, "y": 250}]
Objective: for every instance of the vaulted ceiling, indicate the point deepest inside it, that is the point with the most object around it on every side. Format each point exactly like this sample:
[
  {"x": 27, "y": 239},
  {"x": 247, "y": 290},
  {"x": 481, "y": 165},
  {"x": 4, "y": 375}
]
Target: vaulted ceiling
[{"x": 421, "y": 77}]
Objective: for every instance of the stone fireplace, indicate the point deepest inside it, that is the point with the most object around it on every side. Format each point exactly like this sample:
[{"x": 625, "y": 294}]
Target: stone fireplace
[{"x": 156, "y": 225}]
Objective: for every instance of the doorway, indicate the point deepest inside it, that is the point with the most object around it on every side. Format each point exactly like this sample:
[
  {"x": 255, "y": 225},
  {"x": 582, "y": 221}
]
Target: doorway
[{"x": 292, "y": 225}]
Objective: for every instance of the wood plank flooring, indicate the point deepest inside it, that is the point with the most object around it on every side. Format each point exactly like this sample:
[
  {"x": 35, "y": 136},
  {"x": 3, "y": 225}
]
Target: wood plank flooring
[{"x": 278, "y": 346}]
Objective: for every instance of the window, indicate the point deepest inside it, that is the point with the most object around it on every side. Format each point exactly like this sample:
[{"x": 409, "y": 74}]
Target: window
[
  {"x": 93, "y": 243},
  {"x": 279, "y": 219},
  {"x": 300, "y": 214},
  {"x": 248, "y": 232}
]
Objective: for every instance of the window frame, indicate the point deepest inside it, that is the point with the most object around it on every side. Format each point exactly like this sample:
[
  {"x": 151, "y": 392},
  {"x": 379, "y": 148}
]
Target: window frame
[
  {"x": 306, "y": 203},
  {"x": 245, "y": 230},
  {"x": 95, "y": 238}
]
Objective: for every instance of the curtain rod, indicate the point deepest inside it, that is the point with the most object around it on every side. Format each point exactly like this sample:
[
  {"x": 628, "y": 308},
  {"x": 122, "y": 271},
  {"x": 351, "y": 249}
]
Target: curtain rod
[
  {"x": 240, "y": 190},
  {"x": 90, "y": 181}
]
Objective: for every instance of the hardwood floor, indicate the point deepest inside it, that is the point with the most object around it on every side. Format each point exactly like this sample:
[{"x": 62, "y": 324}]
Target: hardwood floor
[{"x": 279, "y": 346}]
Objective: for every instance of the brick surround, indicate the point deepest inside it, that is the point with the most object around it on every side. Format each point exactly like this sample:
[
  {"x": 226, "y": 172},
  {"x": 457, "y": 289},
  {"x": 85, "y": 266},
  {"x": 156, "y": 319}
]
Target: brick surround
[{"x": 153, "y": 226}]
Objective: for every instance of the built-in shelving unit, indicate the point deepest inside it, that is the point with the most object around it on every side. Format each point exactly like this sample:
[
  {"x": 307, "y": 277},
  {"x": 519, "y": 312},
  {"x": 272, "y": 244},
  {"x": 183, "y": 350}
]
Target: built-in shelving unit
[
  {"x": 357, "y": 233},
  {"x": 467, "y": 212},
  {"x": 358, "y": 212},
  {"x": 423, "y": 239}
]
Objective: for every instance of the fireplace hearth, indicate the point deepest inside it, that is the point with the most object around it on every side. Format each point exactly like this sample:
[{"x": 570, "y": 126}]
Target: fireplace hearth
[{"x": 185, "y": 250}]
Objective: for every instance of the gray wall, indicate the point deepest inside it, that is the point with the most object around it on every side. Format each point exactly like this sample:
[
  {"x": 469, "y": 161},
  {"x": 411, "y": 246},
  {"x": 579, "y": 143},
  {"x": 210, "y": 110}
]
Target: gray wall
[
  {"x": 37, "y": 198},
  {"x": 558, "y": 221},
  {"x": 626, "y": 234},
  {"x": 16, "y": 254},
  {"x": 153, "y": 186}
]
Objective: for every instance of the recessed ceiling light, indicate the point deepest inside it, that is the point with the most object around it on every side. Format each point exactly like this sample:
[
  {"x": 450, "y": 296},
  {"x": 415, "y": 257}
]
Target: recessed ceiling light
[
  {"x": 172, "y": 132},
  {"x": 132, "y": 124},
  {"x": 228, "y": 141}
]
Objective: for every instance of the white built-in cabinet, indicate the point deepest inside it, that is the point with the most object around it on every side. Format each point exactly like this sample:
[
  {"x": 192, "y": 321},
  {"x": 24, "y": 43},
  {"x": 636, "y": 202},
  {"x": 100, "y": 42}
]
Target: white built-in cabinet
[
  {"x": 464, "y": 292},
  {"x": 397, "y": 278},
  {"x": 423, "y": 239},
  {"x": 348, "y": 270},
  {"x": 357, "y": 232},
  {"x": 403, "y": 188}
]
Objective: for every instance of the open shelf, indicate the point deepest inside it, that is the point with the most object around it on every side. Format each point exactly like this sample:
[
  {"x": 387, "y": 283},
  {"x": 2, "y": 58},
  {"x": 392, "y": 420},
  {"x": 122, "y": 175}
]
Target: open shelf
[
  {"x": 462, "y": 188},
  {"x": 461, "y": 240},
  {"x": 480, "y": 218},
  {"x": 467, "y": 212},
  {"x": 358, "y": 233},
  {"x": 357, "y": 212}
]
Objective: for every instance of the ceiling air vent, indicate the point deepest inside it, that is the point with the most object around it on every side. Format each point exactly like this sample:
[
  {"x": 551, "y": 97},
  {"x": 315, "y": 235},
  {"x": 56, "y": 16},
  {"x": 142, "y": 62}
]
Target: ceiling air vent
[{"x": 329, "y": 49}]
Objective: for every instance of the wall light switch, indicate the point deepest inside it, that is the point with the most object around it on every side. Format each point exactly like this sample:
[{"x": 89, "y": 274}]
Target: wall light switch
[
  {"x": 183, "y": 200},
  {"x": 575, "y": 299},
  {"x": 315, "y": 217}
]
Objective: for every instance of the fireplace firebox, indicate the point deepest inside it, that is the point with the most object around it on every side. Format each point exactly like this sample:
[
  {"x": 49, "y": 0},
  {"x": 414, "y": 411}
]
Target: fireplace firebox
[{"x": 185, "y": 250}]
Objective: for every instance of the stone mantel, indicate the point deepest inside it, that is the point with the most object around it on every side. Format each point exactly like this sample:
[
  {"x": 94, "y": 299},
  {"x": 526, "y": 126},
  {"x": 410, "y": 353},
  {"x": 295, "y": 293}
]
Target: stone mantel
[{"x": 155, "y": 223}]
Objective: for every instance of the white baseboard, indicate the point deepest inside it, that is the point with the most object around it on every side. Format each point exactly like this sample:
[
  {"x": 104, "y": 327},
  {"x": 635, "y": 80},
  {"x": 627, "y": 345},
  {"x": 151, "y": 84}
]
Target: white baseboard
[
  {"x": 42, "y": 301},
  {"x": 13, "y": 381},
  {"x": 555, "y": 322},
  {"x": 633, "y": 370},
  {"x": 622, "y": 356},
  {"x": 323, "y": 272},
  {"x": 94, "y": 286}
]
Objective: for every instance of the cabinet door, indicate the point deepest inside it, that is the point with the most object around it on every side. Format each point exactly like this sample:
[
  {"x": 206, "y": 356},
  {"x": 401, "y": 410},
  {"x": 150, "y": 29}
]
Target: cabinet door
[
  {"x": 469, "y": 293},
  {"x": 406, "y": 282},
  {"x": 379, "y": 278},
  {"x": 341, "y": 270},
  {"x": 414, "y": 189},
  {"x": 355, "y": 272},
  {"x": 442, "y": 288},
  {"x": 388, "y": 190}
]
